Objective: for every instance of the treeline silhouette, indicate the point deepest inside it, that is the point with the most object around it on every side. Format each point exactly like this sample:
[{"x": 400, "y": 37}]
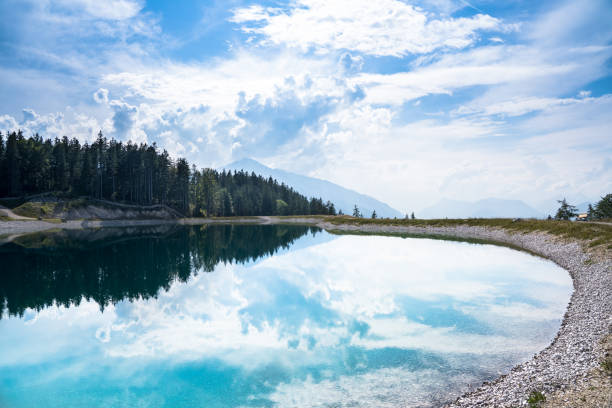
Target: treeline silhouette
[
  {"x": 141, "y": 174},
  {"x": 63, "y": 270}
]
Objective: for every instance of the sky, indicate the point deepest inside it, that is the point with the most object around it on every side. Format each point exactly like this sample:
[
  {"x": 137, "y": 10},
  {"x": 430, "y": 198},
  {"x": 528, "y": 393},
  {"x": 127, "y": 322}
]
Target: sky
[{"x": 407, "y": 101}]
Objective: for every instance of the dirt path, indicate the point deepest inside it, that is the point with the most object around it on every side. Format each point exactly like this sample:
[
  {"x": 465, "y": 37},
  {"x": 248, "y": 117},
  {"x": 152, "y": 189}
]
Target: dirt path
[{"x": 600, "y": 222}]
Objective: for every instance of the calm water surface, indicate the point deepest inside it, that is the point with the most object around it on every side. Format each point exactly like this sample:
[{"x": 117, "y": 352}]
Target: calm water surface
[{"x": 264, "y": 316}]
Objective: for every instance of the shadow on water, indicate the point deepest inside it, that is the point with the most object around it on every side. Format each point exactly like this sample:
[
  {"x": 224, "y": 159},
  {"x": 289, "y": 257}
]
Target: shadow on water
[{"x": 113, "y": 264}]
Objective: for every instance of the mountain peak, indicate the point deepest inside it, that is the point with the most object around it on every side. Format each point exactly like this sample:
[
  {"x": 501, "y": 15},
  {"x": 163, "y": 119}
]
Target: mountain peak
[
  {"x": 343, "y": 198},
  {"x": 245, "y": 161}
]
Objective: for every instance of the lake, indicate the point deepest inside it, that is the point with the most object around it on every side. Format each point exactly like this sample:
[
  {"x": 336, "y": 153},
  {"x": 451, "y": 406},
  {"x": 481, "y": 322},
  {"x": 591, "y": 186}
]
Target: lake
[{"x": 264, "y": 316}]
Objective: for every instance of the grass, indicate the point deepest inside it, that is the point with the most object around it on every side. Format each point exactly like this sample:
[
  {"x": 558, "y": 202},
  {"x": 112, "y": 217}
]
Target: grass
[
  {"x": 606, "y": 365},
  {"x": 594, "y": 234},
  {"x": 36, "y": 209},
  {"x": 535, "y": 398}
]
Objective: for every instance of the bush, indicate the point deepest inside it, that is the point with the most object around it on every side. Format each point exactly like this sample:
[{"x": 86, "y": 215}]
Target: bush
[{"x": 535, "y": 398}]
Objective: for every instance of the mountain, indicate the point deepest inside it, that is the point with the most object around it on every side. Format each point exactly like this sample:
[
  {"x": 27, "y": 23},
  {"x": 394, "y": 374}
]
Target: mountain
[
  {"x": 486, "y": 208},
  {"x": 343, "y": 198}
]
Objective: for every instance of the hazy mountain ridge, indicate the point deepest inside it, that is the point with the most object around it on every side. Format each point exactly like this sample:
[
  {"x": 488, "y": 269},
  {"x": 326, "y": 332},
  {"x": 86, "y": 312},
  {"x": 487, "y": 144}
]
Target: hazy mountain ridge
[
  {"x": 343, "y": 198},
  {"x": 485, "y": 208}
]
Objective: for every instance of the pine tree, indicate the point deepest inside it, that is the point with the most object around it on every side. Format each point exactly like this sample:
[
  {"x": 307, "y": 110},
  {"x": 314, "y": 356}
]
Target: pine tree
[
  {"x": 565, "y": 211},
  {"x": 374, "y": 216},
  {"x": 13, "y": 165},
  {"x": 603, "y": 209},
  {"x": 331, "y": 208},
  {"x": 412, "y": 216},
  {"x": 3, "y": 168},
  {"x": 356, "y": 212},
  {"x": 591, "y": 214}
]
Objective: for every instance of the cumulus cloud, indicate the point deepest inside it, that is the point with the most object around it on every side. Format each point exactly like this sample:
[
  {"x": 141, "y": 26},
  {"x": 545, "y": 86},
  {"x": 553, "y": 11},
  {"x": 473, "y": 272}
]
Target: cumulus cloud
[
  {"x": 123, "y": 118},
  {"x": 101, "y": 95},
  {"x": 381, "y": 28},
  {"x": 350, "y": 64},
  {"x": 68, "y": 123},
  {"x": 8, "y": 123},
  {"x": 273, "y": 122}
]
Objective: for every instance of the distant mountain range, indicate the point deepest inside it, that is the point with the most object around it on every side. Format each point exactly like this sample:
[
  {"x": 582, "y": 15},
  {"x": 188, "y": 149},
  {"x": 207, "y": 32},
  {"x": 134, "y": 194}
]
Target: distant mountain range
[
  {"x": 486, "y": 208},
  {"x": 342, "y": 198}
]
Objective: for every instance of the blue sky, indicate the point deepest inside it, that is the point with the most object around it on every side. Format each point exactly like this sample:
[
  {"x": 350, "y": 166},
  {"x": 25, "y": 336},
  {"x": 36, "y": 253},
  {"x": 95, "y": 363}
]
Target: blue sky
[{"x": 407, "y": 101}]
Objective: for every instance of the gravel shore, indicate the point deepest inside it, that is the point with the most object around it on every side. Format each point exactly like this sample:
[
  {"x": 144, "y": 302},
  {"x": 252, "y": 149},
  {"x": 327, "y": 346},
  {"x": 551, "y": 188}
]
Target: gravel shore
[{"x": 569, "y": 365}]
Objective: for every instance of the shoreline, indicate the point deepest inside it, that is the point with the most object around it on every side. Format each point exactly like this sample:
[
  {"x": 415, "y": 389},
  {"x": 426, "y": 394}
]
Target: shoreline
[{"x": 561, "y": 371}]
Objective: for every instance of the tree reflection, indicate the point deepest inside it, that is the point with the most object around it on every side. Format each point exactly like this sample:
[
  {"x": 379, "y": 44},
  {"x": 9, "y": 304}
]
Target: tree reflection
[{"x": 110, "y": 265}]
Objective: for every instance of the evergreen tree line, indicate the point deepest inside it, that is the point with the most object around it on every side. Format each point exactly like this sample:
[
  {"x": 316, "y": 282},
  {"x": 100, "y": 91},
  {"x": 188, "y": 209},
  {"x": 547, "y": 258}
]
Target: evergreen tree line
[
  {"x": 119, "y": 268},
  {"x": 141, "y": 174},
  {"x": 602, "y": 209}
]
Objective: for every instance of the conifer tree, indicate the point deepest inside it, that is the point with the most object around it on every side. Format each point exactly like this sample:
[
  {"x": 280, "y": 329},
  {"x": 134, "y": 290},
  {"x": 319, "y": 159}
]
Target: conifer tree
[
  {"x": 603, "y": 209},
  {"x": 565, "y": 211}
]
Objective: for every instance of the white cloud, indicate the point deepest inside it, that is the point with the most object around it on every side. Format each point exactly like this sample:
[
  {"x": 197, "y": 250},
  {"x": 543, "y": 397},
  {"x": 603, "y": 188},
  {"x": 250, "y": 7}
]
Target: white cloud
[
  {"x": 488, "y": 66},
  {"x": 101, "y": 95},
  {"x": 388, "y": 27},
  {"x": 517, "y": 106},
  {"x": 219, "y": 84},
  {"x": 69, "y": 123},
  {"x": 382, "y": 388}
]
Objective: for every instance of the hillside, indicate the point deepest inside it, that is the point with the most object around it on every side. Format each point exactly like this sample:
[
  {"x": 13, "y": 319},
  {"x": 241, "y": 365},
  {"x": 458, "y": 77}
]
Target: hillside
[
  {"x": 343, "y": 198},
  {"x": 52, "y": 208}
]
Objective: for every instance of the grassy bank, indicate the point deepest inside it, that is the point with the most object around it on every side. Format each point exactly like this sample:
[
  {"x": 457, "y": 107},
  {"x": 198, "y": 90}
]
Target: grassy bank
[{"x": 593, "y": 234}]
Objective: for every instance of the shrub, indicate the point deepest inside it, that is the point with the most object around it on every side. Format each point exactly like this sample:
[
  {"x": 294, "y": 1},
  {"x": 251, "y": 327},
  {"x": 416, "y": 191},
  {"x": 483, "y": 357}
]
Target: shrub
[{"x": 535, "y": 398}]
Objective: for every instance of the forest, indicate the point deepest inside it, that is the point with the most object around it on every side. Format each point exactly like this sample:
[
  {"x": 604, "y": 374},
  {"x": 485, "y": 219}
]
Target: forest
[{"x": 141, "y": 174}]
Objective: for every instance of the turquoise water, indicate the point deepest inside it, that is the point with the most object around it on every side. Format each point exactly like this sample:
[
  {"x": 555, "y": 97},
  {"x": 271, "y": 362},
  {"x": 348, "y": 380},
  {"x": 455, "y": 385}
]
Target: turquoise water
[{"x": 264, "y": 316}]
